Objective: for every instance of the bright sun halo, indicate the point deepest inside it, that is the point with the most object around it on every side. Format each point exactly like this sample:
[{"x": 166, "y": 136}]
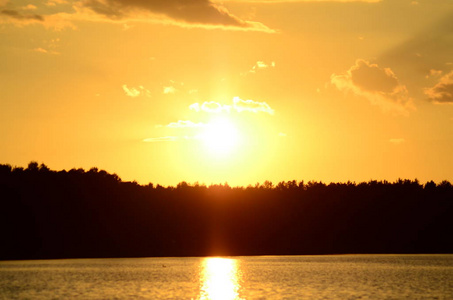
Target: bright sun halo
[{"x": 220, "y": 136}]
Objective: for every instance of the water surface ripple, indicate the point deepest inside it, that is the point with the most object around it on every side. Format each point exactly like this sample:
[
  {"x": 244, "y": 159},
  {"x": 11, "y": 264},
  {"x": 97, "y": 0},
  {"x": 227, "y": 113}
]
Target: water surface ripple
[{"x": 254, "y": 277}]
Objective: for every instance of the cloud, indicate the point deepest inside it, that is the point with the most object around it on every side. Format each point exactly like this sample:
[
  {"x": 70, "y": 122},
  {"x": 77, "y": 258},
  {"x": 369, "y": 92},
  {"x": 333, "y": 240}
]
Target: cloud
[
  {"x": 180, "y": 124},
  {"x": 434, "y": 73},
  {"x": 169, "y": 90},
  {"x": 442, "y": 92},
  {"x": 260, "y": 65},
  {"x": 42, "y": 50},
  {"x": 195, "y": 107},
  {"x": 189, "y": 13},
  {"x": 397, "y": 141},
  {"x": 131, "y": 92},
  {"x": 210, "y": 107},
  {"x": 379, "y": 85},
  {"x": 56, "y": 2},
  {"x": 427, "y": 50},
  {"x": 239, "y": 105},
  {"x": 201, "y": 13},
  {"x": 185, "y": 124},
  {"x": 21, "y": 16},
  {"x": 17, "y": 15},
  {"x": 296, "y": 1},
  {"x": 214, "y": 107},
  {"x": 218, "y": 125},
  {"x": 251, "y": 106},
  {"x": 29, "y": 7},
  {"x": 161, "y": 139},
  {"x": 135, "y": 92}
]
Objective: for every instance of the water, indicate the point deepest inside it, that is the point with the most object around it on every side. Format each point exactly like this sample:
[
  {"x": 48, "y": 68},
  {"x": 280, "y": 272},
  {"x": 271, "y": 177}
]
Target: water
[{"x": 259, "y": 277}]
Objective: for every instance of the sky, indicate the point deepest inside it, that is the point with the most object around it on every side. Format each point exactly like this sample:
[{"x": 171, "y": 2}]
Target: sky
[{"x": 237, "y": 91}]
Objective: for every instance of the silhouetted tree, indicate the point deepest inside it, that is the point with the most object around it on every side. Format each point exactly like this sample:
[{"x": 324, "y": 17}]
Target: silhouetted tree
[
  {"x": 78, "y": 213},
  {"x": 33, "y": 166}
]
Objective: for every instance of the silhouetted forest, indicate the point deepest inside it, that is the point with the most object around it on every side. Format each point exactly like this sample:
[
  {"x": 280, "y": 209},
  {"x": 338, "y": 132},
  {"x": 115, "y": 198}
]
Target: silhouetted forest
[{"x": 78, "y": 213}]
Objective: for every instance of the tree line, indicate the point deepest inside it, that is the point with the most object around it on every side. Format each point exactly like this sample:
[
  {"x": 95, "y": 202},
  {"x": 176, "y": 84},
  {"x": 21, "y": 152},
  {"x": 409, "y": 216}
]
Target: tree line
[{"x": 78, "y": 213}]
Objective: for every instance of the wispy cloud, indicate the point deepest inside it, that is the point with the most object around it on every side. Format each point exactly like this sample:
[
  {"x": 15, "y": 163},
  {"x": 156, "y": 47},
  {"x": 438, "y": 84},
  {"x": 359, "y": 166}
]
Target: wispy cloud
[
  {"x": 195, "y": 107},
  {"x": 218, "y": 125},
  {"x": 296, "y": 1},
  {"x": 56, "y": 2},
  {"x": 29, "y": 7},
  {"x": 210, "y": 107},
  {"x": 251, "y": 106},
  {"x": 161, "y": 139},
  {"x": 397, "y": 141},
  {"x": 434, "y": 73},
  {"x": 42, "y": 50},
  {"x": 131, "y": 92},
  {"x": 185, "y": 124},
  {"x": 188, "y": 13},
  {"x": 428, "y": 49},
  {"x": 238, "y": 105},
  {"x": 135, "y": 92},
  {"x": 179, "y": 126},
  {"x": 22, "y": 15},
  {"x": 379, "y": 85},
  {"x": 259, "y": 65},
  {"x": 442, "y": 92},
  {"x": 169, "y": 90},
  {"x": 17, "y": 15}
]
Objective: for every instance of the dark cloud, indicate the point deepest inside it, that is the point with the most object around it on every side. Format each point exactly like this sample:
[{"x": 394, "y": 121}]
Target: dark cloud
[
  {"x": 424, "y": 56},
  {"x": 430, "y": 49},
  {"x": 184, "y": 13},
  {"x": 189, "y": 11},
  {"x": 379, "y": 85},
  {"x": 17, "y": 15},
  {"x": 442, "y": 92},
  {"x": 372, "y": 78}
]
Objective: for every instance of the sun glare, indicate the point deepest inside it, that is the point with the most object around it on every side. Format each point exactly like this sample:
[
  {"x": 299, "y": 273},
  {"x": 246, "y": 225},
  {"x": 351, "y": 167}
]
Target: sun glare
[
  {"x": 220, "y": 136},
  {"x": 220, "y": 279}
]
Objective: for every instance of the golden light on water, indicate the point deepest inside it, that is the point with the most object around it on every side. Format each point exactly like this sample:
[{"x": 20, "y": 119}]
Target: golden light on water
[{"x": 220, "y": 279}]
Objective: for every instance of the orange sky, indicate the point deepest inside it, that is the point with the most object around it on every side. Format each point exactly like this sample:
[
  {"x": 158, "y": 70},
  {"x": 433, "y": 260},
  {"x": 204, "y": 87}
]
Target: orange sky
[{"x": 229, "y": 91}]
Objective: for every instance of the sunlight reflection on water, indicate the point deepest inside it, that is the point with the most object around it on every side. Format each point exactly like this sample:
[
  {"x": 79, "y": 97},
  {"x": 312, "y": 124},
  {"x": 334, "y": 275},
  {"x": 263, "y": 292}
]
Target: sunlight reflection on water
[
  {"x": 253, "y": 277},
  {"x": 220, "y": 279}
]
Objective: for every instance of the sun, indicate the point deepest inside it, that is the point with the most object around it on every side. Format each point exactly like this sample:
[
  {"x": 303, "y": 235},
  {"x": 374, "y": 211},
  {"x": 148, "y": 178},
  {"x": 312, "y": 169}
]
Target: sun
[{"x": 220, "y": 136}]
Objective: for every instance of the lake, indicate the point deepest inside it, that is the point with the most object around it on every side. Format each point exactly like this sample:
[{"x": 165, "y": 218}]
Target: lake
[{"x": 253, "y": 277}]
